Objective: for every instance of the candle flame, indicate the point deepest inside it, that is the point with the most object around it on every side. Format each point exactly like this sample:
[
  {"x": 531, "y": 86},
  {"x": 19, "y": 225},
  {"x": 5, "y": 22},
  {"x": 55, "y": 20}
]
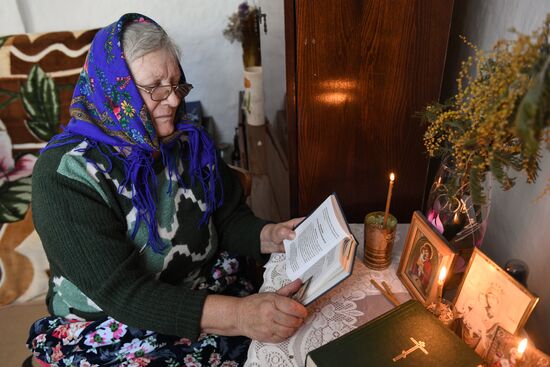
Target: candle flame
[
  {"x": 522, "y": 346},
  {"x": 456, "y": 220},
  {"x": 392, "y": 177},
  {"x": 442, "y": 274}
]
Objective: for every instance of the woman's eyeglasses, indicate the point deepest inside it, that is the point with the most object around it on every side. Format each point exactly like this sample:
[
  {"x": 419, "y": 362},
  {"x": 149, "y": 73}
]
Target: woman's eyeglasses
[{"x": 161, "y": 92}]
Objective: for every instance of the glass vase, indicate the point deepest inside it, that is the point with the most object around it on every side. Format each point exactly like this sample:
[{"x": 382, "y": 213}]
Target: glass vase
[{"x": 451, "y": 211}]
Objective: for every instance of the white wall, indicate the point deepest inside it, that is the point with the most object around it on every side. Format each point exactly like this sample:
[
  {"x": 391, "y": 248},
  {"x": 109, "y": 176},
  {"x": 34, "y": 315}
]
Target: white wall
[
  {"x": 10, "y": 18},
  {"x": 519, "y": 224},
  {"x": 211, "y": 63},
  {"x": 273, "y": 57}
]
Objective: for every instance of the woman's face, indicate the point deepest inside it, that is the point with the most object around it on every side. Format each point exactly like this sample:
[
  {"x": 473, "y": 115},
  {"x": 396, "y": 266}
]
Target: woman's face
[{"x": 151, "y": 70}]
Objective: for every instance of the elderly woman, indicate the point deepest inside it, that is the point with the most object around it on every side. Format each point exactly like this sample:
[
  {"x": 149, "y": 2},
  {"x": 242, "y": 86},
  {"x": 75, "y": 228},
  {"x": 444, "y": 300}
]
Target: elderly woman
[{"x": 139, "y": 218}]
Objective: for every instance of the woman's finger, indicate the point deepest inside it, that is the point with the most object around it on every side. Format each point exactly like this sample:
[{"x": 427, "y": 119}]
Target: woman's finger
[
  {"x": 290, "y": 307},
  {"x": 295, "y": 221},
  {"x": 290, "y": 288},
  {"x": 287, "y": 321}
]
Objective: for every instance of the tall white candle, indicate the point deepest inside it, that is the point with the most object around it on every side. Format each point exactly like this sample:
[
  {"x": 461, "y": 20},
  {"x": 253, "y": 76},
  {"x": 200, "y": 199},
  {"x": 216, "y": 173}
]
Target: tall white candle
[{"x": 388, "y": 199}]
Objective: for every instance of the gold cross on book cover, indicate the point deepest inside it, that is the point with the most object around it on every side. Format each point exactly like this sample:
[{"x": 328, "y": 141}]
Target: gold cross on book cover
[
  {"x": 406, "y": 336},
  {"x": 417, "y": 345}
]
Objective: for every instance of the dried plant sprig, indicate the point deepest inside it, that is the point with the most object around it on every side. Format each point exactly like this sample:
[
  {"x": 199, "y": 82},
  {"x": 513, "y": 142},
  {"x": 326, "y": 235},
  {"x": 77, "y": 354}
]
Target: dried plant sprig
[
  {"x": 238, "y": 21},
  {"x": 499, "y": 117}
]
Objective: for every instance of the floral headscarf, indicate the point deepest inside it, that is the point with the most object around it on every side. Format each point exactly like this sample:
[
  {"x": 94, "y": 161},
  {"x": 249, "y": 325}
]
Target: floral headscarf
[{"x": 108, "y": 108}]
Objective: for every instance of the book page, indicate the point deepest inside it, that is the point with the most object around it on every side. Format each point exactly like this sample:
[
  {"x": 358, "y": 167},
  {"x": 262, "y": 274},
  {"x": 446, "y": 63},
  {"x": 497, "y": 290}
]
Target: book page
[
  {"x": 315, "y": 237},
  {"x": 323, "y": 268},
  {"x": 329, "y": 270}
]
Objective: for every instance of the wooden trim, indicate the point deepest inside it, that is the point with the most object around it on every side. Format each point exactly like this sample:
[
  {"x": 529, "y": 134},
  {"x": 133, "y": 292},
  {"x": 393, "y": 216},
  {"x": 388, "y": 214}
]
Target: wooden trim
[
  {"x": 291, "y": 111},
  {"x": 241, "y": 128},
  {"x": 433, "y": 163}
]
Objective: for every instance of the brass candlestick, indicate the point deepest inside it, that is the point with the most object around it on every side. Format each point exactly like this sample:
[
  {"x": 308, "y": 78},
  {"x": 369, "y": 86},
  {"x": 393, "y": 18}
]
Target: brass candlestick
[{"x": 379, "y": 240}]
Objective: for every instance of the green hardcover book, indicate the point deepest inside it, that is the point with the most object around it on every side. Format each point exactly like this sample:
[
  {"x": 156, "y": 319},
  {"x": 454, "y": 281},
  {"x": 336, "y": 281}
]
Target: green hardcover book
[{"x": 408, "y": 335}]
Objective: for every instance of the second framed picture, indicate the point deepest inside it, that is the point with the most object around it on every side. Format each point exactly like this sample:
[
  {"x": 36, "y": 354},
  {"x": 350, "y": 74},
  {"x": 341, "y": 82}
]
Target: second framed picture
[
  {"x": 424, "y": 254},
  {"x": 489, "y": 297}
]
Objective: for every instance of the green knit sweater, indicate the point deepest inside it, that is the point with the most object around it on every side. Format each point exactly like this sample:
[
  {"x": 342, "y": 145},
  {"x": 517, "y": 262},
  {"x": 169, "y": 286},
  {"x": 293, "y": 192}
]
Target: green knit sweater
[{"x": 97, "y": 270}]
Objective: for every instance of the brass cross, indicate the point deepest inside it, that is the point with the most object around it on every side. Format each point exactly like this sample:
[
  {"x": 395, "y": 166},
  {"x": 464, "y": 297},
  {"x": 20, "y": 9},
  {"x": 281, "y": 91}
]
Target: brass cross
[{"x": 417, "y": 345}]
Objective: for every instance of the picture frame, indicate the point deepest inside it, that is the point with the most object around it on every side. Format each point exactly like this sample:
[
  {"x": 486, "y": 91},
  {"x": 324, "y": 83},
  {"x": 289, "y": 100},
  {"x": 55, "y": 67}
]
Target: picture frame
[
  {"x": 487, "y": 298},
  {"x": 503, "y": 351},
  {"x": 424, "y": 254}
]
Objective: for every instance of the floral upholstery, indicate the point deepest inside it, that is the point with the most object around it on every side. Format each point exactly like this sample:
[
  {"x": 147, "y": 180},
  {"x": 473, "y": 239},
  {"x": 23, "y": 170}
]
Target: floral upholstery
[{"x": 37, "y": 77}]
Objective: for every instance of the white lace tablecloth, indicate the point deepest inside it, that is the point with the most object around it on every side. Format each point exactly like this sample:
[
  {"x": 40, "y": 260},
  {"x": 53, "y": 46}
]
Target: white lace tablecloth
[{"x": 345, "y": 307}]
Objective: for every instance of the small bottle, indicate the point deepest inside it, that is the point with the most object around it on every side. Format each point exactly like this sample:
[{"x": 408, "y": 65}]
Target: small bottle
[
  {"x": 236, "y": 154},
  {"x": 518, "y": 269}
]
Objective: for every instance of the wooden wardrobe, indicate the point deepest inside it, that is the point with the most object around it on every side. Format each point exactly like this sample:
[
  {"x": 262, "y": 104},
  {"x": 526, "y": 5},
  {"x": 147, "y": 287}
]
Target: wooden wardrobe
[{"x": 358, "y": 72}]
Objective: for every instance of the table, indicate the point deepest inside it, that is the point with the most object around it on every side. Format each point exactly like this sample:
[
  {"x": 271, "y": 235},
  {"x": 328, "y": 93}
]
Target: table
[{"x": 347, "y": 306}]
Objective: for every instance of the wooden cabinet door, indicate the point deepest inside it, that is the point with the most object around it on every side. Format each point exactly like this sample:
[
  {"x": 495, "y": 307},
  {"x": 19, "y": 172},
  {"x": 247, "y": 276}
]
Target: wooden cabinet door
[{"x": 357, "y": 72}]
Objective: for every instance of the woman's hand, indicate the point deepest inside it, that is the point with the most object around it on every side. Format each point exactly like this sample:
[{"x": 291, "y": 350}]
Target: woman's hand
[
  {"x": 271, "y": 317},
  {"x": 267, "y": 317},
  {"x": 272, "y": 235}
]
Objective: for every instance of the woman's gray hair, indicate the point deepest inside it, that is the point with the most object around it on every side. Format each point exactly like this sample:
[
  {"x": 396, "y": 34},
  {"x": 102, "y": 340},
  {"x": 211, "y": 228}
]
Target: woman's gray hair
[{"x": 140, "y": 38}]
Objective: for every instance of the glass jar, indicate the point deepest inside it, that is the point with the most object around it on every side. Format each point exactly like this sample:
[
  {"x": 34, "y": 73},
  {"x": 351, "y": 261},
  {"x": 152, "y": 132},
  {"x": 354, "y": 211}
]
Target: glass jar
[{"x": 451, "y": 211}]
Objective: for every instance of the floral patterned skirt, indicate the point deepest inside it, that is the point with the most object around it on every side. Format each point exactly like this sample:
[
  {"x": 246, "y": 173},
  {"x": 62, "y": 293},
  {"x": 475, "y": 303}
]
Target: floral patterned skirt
[{"x": 58, "y": 341}]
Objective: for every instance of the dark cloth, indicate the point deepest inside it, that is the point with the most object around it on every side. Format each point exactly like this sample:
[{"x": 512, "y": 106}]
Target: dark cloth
[{"x": 62, "y": 342}]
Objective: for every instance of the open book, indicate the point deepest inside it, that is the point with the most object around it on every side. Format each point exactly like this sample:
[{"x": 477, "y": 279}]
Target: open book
[{"x": 322, "y": 253}]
